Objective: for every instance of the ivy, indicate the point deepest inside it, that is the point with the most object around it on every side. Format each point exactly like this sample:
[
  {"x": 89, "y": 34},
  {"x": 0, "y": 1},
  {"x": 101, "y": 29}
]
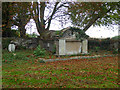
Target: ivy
[{"x": 80, "y": 34}]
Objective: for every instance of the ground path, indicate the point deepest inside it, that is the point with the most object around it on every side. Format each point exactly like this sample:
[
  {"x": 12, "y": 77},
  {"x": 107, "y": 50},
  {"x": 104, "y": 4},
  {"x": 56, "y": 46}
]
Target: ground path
[{"x": 75, "y": 57}]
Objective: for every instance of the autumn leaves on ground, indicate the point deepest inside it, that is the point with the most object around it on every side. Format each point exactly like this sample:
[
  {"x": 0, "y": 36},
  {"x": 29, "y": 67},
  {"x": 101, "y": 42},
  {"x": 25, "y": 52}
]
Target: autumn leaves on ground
[{"x": 83, "y": 73}]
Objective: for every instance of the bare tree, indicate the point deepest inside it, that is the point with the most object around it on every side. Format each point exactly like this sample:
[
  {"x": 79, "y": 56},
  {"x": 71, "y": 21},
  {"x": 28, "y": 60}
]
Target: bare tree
[{"x": 44, "y": 12}]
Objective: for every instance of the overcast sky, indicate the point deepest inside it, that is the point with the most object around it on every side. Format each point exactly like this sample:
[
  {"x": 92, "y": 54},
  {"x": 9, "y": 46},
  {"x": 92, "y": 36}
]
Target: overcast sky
[{"x": 95, "y": 32}]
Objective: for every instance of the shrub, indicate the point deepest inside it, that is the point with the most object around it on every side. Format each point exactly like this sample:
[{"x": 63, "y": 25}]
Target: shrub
[
  {"x": 54, "y": 49},
  {"x": 97, "y": 49},
  {"x": 10, "y": 33},
  {"x": 38, "y": 51},
  {"x": 5, "y": 43},
  {"x": 115, "y": 51}
]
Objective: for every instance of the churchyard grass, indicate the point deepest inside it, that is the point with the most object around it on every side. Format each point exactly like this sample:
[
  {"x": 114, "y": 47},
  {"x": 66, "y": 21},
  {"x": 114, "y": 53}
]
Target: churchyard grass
[{"x": 23, "y": 70}]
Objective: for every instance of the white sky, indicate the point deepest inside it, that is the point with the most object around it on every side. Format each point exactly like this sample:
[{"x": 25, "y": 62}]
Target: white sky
[{"x": 95, "y": 32}]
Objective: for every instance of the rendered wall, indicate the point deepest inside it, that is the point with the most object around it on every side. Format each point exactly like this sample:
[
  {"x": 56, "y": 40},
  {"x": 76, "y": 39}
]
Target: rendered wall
[
  {"x": 62, "y": 47},
  {"x": 73, "y": 47},
  {"x": 85, "y": 46}
]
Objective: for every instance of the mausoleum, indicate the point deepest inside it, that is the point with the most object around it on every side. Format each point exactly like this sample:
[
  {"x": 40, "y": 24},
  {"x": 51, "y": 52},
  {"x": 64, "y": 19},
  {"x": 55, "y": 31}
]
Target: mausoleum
[{"x": 69, "y": 43}]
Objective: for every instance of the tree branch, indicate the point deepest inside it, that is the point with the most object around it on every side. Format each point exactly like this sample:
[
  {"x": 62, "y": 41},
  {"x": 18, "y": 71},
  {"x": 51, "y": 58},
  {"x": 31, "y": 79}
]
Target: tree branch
[
  {"x": 54, "y": 10},
  {"x": 95, "y": 18}
]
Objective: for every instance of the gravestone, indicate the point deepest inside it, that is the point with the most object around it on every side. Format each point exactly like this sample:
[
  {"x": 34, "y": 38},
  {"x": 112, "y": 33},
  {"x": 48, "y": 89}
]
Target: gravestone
[{"x": 11, "y": 47}]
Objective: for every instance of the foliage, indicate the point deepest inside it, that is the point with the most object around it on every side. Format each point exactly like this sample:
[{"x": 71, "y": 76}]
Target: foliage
[
  {"x": 81, "y": 36},
  {"x": 80, "y": 33},
  {"x": 21, "y": 16},
  {"x": 97, "y": 49},
  {"x": 32, "y": 35},
  {"x": 85, "y": 14},
  {"x": 57, "y": 33},
  {"x": 10, "y": 33},
  {"x": 115, "y": 51},
  {"x": 15, "y": 13},
  {"x": 38, "y": 51},
  {"x": 6, "y": 16},
  {"x": 116, "y": 37},
  {"x": 54, "y": 49},
  {"x": 5, "y": 43}
]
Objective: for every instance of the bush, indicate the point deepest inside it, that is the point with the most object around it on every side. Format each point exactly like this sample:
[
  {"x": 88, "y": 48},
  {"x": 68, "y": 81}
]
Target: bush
[
  {"x": 97, "y": 49},
  {"x": 38, "y": 51},
  {"x": 54, "y": 49},
  {"x": 5, "y": 43},
  {"x": 115, "y": 51},
  {"x": 10, "y": 33}
]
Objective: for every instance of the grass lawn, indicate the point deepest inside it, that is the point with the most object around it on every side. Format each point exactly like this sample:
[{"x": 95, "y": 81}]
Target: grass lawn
[{"x": 23, "y": 70}]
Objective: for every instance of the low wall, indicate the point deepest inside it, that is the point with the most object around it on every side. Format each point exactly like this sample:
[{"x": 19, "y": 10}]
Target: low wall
[
  {"x": 28, "y": 43},
  {"x": 103, "y": 44}
]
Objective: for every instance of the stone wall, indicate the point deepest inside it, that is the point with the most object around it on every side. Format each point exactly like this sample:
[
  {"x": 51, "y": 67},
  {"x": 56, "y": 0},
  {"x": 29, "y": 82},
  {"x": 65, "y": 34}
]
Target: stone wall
[
  {"x": 31, "y": 43},
  {"x": 103, "y": 44},
  {"x": 48, "y": 45}
]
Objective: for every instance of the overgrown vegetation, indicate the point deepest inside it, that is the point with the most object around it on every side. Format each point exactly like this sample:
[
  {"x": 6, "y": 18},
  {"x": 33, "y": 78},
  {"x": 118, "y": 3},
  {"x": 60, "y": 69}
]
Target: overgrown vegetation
[
  {"x": 80, "y": 33},
  {"x": 103, "y": 44},
  {"x": 39, "y": 51},
  {"x": 57, "y": 32},
  {"x": 115, "y": 51},
  {"x": 10, "y": 33},
  {"x": 32, "y": 35},
  {"x": 5, "y": 43},
  {"x": 116, "y": 37}
]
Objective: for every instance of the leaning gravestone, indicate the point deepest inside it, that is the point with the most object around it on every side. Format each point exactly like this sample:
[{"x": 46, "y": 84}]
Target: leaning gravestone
[{"x": 11, "y": 47}]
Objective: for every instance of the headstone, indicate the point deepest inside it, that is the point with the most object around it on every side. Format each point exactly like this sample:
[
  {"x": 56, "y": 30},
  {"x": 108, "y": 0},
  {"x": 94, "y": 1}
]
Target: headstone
[
  {"x": 62, "y": 47},
  {"x": 85, "y": 46},
  {"x": 11, "y": 47}
]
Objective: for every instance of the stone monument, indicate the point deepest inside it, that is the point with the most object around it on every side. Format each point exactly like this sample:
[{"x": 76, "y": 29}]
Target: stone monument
[{"x": 11, "y": 47}]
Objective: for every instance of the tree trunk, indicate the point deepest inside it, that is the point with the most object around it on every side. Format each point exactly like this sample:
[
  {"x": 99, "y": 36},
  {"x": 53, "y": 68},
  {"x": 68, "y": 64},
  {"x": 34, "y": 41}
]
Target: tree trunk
[
  {"x": 38, "y": 17},
  {"x": 22, "y": 31}
]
